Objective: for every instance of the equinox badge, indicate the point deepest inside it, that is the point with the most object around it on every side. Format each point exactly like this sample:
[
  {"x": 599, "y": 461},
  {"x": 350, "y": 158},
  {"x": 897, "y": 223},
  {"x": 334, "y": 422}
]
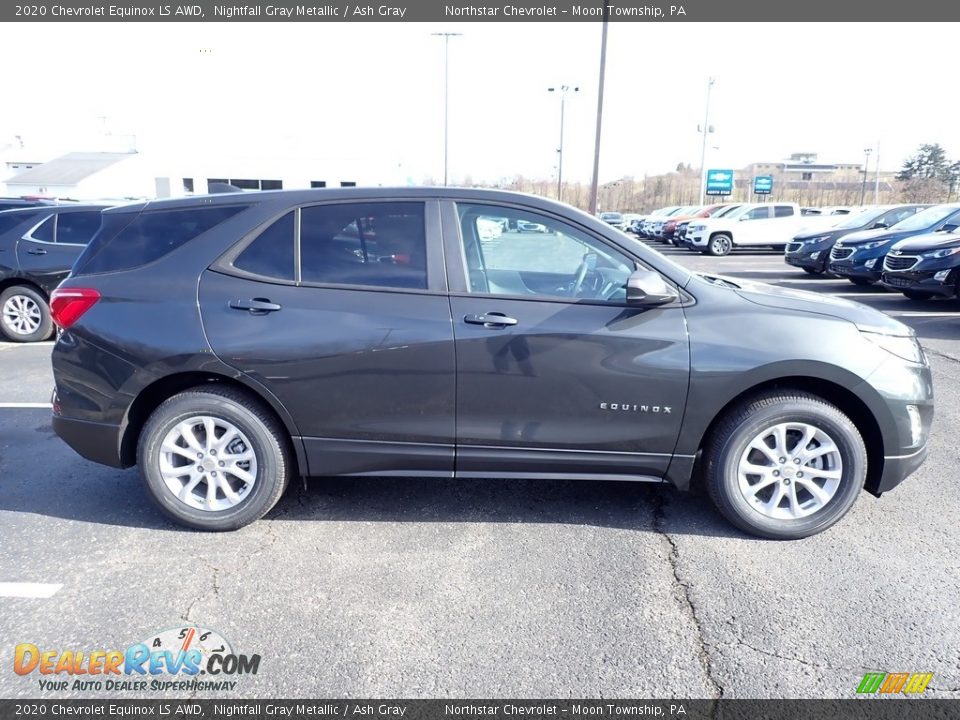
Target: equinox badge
[{"x": 629, "y": 407}]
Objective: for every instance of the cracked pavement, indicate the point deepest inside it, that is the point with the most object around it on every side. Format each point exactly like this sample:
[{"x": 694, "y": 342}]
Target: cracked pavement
[{"x": 429, "y": 588}]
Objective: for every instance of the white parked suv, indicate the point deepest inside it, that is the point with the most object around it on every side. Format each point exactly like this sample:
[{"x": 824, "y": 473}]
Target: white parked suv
[{"x": 766, "y": 224}]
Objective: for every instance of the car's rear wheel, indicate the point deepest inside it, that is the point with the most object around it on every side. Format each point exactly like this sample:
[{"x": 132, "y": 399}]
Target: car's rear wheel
[
  {"x": 214, "y": 458},
  {"x": 785, "y": 465},
  {"x": 720, "y": 244},
  {"x": 24, "y": 315},
  {"x": 917, "y": 295}
]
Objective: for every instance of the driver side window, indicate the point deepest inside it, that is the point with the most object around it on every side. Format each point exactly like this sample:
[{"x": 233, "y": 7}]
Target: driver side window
[{"x": 521, "y": 254}]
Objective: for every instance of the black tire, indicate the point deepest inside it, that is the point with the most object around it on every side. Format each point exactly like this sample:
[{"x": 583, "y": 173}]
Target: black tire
[
  {"x": 268, "y": 439},
  {"x": 35, "y": 299},
  {"x": 813, "y": 271},
  {"x": 917, "y": 295},
  {"x": 743, "y": 423},
  {"x": 863, "y": 282},
  {"x": 720, "y": 244}
]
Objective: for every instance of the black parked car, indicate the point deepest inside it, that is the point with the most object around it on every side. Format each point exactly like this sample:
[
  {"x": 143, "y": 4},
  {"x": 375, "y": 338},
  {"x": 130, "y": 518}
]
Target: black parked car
[
  {"x": 228, "y": 344},
  {"x": 21, "y": 203},
  {"x": 859, "y": 256},
  {"x": 925, "y": 266},
  {"x": 810, "y": 250},
  {"x": 38, "y": 246}
]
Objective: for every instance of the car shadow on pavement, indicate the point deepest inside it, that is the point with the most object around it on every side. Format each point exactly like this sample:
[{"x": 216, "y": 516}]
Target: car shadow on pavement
[
  {"x": 115, "y": 497},
  {"x": 650, "y": 507}
]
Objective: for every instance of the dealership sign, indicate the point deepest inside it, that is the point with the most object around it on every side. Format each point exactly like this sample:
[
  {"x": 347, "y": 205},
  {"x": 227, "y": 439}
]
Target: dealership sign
[
  {"x": 763, "y": 184},
  {"x": 719, "y": 182}
]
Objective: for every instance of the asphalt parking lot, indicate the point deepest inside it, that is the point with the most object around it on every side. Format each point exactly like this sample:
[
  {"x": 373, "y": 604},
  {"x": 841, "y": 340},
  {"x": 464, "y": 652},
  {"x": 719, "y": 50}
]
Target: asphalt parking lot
[{"x": 398, "y": 588}]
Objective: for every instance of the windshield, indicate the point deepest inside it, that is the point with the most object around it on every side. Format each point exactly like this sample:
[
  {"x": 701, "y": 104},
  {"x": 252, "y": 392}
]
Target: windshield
[
  {"x": 926, "y": 218},
  {"x": 863, "y": 218},
  {"x": 723, "y": 212}
]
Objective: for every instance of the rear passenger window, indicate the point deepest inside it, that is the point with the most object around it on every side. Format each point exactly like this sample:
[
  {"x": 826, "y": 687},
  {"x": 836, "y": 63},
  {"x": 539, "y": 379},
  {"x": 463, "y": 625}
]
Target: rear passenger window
[
  {"x": 44, "y": 231},
  {"x": 77, "y": 228},
  {"x": 379, "y": 244},
  {"x": 150, "y": 236},
  {"x": 271, "y": 253},
  {"x": 782, "y": 211}
]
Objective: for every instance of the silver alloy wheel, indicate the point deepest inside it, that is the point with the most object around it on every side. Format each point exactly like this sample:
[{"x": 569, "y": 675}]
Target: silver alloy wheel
[
  {"x": 791, "y": 470},
  {"x": 208, "y": 463},
  {"x": 721, "y": 245},
  {"x": 22, "y": 315}
]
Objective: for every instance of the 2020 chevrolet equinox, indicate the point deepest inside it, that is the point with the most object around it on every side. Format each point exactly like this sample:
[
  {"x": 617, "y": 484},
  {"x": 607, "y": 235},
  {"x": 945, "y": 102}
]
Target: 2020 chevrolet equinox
[{"x": 227, "y": 344}]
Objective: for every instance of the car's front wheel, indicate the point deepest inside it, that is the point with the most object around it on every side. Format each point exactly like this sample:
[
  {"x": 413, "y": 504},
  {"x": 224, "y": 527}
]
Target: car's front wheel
[
  {"x": 214, "y": 458},
  {"x": 785, "y": 465},
  {"x": 24, "y": 315},
  {"x": 720, "y": 244}
]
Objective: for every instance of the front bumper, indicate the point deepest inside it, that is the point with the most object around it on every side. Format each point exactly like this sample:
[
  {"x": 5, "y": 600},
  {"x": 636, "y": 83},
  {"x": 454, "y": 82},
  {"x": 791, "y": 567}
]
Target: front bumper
[
  {"x": 896, "y": 469},
  {"x": 802, "y": 259},
  {"x": 922, "y": 282},
  {"x": 856, "y": 268}
]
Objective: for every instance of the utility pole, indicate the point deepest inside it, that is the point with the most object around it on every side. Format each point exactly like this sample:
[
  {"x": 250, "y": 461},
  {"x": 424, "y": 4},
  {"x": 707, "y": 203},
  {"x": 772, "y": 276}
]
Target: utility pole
[
  {"x": 703, "y": 146},
  {"x": 594, "y": 186},
  {"x": 446, "y": 99},
  {"x": 876, "y": 182},
  {"x": 866, "y": 163}
]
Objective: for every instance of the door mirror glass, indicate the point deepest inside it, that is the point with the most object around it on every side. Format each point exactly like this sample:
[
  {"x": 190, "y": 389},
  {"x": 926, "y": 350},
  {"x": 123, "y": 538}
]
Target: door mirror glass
[
  {"x": 880, "y": 225},
  {"x": 647, "y": 288}
]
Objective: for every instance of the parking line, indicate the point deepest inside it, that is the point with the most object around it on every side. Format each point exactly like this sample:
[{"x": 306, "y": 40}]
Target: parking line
[
  {"x": 28, "y": 590},
  {"x": 38, "y": 406},
  {"x": 42, "y": 343}
]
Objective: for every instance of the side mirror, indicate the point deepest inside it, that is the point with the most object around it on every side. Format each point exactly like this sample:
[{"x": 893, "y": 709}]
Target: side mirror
[
  {"x": 949, "y": 228},
  {"x": 879, "y": 226},
  {"x": 647, "y": 289}
]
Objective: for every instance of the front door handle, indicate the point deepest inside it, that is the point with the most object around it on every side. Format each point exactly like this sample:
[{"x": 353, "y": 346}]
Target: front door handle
[
  {"x": 37, "y": 251},
  {"x": 256, "y": 306},
  {"x": 490, "y": 319}
]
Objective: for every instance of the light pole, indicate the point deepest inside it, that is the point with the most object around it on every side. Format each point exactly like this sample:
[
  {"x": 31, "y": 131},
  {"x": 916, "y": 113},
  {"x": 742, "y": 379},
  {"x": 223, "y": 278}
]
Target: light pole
[
  {"x": 563, "y": 90},
  {"x": 876, "y": 181},
  {"x": 703, "y": 146},
  {"x": 594, "y": 183},
  {"x": 446, "y": 98},
  {"x": 866, "y": 163}
]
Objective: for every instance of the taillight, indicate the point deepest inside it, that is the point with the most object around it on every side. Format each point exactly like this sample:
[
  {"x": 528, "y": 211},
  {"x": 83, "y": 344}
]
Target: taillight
[{"x": 68, "y": 304}]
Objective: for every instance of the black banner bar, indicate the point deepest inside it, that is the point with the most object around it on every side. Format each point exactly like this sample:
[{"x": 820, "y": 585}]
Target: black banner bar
[
  {"x": 380, "y": 709},
  {"x": 484, "y": 11}
]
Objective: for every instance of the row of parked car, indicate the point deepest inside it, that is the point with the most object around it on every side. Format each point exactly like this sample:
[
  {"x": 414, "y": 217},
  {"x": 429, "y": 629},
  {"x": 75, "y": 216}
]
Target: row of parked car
[{"x": 911, "y": 248}]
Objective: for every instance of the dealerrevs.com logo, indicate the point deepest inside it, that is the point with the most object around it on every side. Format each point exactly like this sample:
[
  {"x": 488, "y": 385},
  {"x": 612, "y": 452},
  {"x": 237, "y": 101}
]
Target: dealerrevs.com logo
[{"x": 187, "y": 658}]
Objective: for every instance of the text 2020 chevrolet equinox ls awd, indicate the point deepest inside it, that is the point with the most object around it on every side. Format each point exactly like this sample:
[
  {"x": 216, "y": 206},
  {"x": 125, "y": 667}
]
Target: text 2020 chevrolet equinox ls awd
[{"x": 230, "y": 343}]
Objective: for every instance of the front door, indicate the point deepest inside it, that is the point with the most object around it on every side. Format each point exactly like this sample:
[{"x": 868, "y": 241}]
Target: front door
[
  {"x": 333, "y": 310},
  {"x": 556, "y": 374}
]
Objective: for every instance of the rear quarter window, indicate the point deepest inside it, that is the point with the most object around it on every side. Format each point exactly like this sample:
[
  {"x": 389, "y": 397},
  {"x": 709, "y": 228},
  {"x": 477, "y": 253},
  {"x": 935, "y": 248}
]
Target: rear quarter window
[{"x": 120, "y": 245}]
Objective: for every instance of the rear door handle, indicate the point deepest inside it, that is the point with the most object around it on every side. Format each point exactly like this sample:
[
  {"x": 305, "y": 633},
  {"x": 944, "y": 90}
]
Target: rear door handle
[
  {"x": 256, "y": 306},
  {"x": 490, "y": 319},
  {"x": 37, "y": 251}
]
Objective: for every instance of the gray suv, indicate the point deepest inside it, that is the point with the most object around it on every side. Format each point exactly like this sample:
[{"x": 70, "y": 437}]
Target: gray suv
[{"x": 228, "y": 344}]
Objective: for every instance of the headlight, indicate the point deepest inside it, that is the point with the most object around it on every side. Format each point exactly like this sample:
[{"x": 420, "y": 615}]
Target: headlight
[
  {"x": 872, "y": 245},
  {"x": 903, "y": 347},
  {"x": 946, "y": 252}
]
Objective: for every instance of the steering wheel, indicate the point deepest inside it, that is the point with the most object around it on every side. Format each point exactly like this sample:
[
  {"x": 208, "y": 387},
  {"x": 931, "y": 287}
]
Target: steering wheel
[{"x": 588, "y": 265}]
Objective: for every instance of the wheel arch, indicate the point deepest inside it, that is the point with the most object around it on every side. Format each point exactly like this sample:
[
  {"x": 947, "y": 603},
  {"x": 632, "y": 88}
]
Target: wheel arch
[
  {"x": 683, "y": 474},
  {"x": 14, "y": 280},
  {"x": 151, "y": 396}
]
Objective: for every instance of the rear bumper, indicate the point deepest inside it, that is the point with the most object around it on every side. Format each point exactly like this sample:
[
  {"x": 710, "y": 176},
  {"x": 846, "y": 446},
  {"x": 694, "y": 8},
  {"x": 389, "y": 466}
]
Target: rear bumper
[{"x": 99, "y": 442}]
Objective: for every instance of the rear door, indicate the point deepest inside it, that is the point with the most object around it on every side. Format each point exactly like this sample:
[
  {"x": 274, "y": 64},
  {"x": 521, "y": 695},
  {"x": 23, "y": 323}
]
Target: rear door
[
  {"x": 48, "y": 250},
  {"x": 754, "y": 227},
  {"x": 340, "y": 311}
]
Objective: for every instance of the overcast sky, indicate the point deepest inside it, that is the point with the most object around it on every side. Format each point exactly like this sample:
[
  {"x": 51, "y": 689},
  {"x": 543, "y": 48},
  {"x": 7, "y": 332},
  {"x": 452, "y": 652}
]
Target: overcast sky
[{"x": 371, "y": 95}]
